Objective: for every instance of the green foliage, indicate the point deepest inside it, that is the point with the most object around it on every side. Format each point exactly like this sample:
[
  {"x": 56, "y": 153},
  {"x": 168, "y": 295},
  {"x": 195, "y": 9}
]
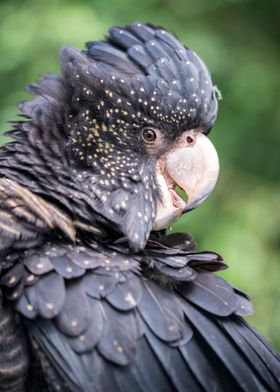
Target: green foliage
[{"x": 238, "y": 39}]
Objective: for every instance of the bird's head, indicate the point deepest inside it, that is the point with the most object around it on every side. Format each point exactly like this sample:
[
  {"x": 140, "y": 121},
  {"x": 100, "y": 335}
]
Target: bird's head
[{"x": 139, "y": 107}]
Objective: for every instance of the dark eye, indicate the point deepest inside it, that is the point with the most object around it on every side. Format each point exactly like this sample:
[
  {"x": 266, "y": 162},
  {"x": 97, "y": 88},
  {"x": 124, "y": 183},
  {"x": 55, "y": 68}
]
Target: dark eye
[{"x": 149, "y": 135}]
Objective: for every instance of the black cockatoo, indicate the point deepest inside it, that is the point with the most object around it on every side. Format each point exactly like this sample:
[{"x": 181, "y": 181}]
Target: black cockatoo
[{"x": 95, "y": 295}]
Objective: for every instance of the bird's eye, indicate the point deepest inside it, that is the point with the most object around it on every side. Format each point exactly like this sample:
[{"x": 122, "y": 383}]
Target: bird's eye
[{"x": 149, "y": 135}]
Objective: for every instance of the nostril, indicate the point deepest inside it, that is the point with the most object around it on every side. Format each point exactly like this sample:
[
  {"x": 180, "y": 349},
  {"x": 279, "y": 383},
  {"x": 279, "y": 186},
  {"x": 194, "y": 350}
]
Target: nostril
[{"x": 190, "y": 139}]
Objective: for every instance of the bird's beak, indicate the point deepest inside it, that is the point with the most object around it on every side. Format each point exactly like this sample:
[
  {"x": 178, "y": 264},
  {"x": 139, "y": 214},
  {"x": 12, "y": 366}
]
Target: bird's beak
[{"x": 194, "y": 169}]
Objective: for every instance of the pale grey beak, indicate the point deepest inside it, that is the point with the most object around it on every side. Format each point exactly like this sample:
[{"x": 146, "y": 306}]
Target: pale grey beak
[{"x": 195, "y": 170}]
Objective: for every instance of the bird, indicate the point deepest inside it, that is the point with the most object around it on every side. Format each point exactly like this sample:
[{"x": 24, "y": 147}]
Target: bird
[{"x": 95, "y": 293}]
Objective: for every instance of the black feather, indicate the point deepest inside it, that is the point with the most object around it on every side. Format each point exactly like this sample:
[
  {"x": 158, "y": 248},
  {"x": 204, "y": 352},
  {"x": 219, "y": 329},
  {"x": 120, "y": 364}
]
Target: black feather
[
  {"x": 263, "y": 368},
  {"x": 163, "y": 313},
  {"x": 229, "y": 354},
  {"x": 142, "y": 31},
  {"x": 118, "y": 340},
  {"x": 211, "y": 293},
  {"x": 48, "y": 295},
  {"x": 176, "y": 369},
  {"x": 98, "y": 286},
  {"x": 89, "y": 338},
  {"x": 127, "y": 295},
  {"x": 74, "y": 316},
  {"x": 122, "y": 38},
  {"x": 38, "y": 265},
  {"x": 66, "y": 268}
]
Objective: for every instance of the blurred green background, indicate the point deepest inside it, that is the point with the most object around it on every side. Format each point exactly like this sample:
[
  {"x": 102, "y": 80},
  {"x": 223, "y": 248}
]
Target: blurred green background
[{"x": 239, "y": 40}]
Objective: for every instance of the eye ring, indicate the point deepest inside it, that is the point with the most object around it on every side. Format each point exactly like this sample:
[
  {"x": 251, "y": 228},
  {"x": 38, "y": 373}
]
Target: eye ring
[{"x": 149, "y": 135}]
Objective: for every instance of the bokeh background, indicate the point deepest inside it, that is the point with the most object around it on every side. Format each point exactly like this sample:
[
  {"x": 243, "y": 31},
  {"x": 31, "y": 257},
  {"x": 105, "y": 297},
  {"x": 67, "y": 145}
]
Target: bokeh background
[{"x": 239, "y": 40}]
